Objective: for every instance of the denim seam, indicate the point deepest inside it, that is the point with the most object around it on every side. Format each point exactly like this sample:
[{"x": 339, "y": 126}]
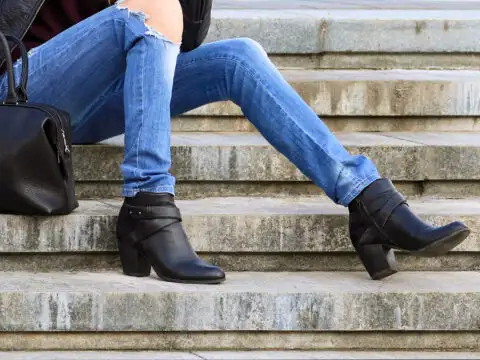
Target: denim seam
[
  {"x": 157, "y": 189},
  {"x": 359, "y": 187}
]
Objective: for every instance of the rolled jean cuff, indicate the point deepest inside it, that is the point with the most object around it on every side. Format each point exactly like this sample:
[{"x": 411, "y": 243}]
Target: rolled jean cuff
[
  {"x": 127, "y": 192},
  {"x": 358, "y": 188}
]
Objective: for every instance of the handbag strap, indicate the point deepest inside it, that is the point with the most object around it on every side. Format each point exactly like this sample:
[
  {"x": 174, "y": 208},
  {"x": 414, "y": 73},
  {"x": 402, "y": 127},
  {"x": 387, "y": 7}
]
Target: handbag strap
[
  {"x": 22, "y": 87},
  {"x": 15, "y": 95}
]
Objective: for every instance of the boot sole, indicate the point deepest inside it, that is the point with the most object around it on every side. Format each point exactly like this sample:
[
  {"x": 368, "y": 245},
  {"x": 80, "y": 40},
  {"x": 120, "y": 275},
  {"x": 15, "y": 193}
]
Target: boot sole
[
  {"x": 383, "y": 274},
  {"x": 443, "y": 246},
  {"x": 181, "y": 281},
  {"x": 439, "y": 247}
]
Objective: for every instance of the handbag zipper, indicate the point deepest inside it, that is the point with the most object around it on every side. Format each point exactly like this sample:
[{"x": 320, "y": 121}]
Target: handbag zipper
[{"x": 55, "y": 117}]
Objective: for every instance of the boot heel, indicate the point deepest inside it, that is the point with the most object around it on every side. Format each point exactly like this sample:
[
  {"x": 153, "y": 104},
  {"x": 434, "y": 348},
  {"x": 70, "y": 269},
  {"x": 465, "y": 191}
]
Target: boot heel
[
  {"x": 133, "y": 262},
  {"x": 379, "y": 261}
]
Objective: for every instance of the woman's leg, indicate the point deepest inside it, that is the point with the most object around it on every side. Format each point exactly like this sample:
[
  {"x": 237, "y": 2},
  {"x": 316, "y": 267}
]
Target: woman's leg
[
  {"x": 116, "y": 52},
  {"x": 239, "y": 70},
  {"x": 380, "y": 220}
]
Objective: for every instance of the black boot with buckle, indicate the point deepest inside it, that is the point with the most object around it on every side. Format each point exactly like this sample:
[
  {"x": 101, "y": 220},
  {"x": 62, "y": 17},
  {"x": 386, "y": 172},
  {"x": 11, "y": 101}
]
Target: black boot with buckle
[
  {"x": 381, "y": 220},
  {"x": 150, "y": 234}
]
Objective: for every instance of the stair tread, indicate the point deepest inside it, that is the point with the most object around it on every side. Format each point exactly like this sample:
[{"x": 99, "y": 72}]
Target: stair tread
[
  {"x": 281, "y": 206},
  {"x": 244, "y": 282},
  {"x": 373, "y": 139}
]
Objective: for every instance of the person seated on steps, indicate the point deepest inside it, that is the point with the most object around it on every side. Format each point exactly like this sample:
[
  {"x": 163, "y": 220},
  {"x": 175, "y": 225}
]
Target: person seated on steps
[{"x": 118, "y": 68}]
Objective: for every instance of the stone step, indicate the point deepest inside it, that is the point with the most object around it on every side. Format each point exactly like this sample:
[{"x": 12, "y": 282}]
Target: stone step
[
  {"x": 248, "y": 301},
  {"x": 326, "y": 26},
  {"x": 377, "y": 93},
  {"x": 232, "y": 164},
  {"x": 336, "y": 124},
  {"x": 327, "y": 34},
  {"x": 235, "y": 355},
  {"x": 239, "y": 234}
]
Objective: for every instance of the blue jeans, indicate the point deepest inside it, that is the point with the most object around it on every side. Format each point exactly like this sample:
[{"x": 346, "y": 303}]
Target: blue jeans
[{"x": 116, "y": 75}]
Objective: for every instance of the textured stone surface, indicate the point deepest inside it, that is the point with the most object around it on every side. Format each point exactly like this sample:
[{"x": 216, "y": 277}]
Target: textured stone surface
[
  {"x": 192, "y": 190},
  {"x": 349, "y": 4},
  {"x": 245, "y": 340},
  {"x": 330, "y": 30},
  {"x": 378, "y": 61},
  {"x": 378, "y": 93},
  {"x": 335, "y": 124},
  {"x": 233, "y": 355},
  {"x": 248, "y": 157},
  {"x": 226, "y": 225},
  {"x": 245, "y": 302},
  {"x": 100, "y": 355},
  {"x": 97, "y": 261},
  {"x": 337, "y": 355}
]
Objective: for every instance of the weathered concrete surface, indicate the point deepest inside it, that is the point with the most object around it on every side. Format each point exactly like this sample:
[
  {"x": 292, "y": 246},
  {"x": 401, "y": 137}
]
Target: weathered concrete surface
[
  {"x": 106, "y": 355},
  {"x": 317, "y": 30},
  {"x": 348, "y": 4},
  {"x": 248, "y": 157},
  {"x": 225, "y": 225},
  {"x": 337, "y": 355},
  {"x": 378, "y": 61},
  {"x": 246, "y": 302},
  {"x": 335, "y": 124},
  {"x": 192, "y": 190},
  {"x": 245, "y": 340},
  {"x": 378, "y": 93},
  {"x": 234, "y": 355},
  {"x": 98, "y": 261}
]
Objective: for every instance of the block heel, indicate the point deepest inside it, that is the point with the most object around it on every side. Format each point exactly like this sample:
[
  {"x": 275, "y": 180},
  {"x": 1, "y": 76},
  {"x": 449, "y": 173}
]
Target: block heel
[
  {"x": 134, "y": 263},
  {"x": 378, "y": 260}
]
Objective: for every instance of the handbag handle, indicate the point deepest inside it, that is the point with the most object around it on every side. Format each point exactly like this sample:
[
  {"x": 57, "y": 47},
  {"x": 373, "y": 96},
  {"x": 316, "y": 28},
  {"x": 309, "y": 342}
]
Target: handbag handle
[{"x": 15, "y": 95}]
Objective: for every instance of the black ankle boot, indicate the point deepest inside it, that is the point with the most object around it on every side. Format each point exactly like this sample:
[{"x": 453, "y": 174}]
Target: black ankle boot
[
  {"x": 381, "y": 220},
  {"x": 150, "y": 234}
]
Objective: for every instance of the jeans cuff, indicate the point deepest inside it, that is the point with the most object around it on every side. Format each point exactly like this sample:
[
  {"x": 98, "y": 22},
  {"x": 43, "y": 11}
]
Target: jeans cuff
[
  {"x": 347, "y": 199},
  {"x": 127, "y": 192}
]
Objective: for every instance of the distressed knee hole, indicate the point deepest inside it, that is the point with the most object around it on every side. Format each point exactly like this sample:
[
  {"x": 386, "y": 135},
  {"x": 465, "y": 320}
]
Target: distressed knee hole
[{"x": 152, "y": 28}]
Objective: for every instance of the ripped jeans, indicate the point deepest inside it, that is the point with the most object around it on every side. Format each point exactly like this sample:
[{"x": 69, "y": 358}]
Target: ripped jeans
[{"x": 116, "y": 75}]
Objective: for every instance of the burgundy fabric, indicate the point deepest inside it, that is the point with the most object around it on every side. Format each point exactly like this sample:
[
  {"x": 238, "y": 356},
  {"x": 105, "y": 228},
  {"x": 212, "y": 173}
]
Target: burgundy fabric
[{"x": 58, "y": 15}]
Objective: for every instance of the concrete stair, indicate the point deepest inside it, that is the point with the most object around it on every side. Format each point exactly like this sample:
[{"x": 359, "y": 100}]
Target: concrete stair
[
  {"x": 240, "y": 234},
  {"x": 398, "y": 82},
  {"x": 440, "y": 164},
  {"x": 237, "y": 355}
]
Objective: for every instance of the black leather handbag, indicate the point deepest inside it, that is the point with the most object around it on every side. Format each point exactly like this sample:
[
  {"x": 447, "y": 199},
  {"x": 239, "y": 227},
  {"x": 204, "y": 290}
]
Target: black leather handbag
[
  {"x": 197, "y": 17},
  {"x": 36, "y": 176}
]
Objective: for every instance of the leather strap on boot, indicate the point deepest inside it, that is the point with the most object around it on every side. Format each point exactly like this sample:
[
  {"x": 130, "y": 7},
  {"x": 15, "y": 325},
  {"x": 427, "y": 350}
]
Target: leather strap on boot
[
  {"x": 152, "y": 219},
  {"x": 380, "y": 201}
]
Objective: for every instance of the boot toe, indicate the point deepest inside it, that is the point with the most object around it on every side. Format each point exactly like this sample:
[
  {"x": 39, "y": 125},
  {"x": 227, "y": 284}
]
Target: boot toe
[
  {"x": 199, "y": 272},
  {"x": 447, "y": 238}
]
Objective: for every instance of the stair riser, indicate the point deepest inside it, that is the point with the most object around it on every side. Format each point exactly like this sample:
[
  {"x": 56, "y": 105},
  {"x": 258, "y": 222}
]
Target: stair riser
[
  {"x": 378, "y": 61},
  {"x": 106, "y": 261},
  {"x": 377, "y": 97},
  {"x": 335, "y": 124},
  {"x": 244, "y": 310},
  {"x": 246, "y": 340},
  {"x": 317, "y": 31},
  {"x": 408, "y": 162},
  {"x": 198, "y": 190},
  {"x": 211, "y": 233}
]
